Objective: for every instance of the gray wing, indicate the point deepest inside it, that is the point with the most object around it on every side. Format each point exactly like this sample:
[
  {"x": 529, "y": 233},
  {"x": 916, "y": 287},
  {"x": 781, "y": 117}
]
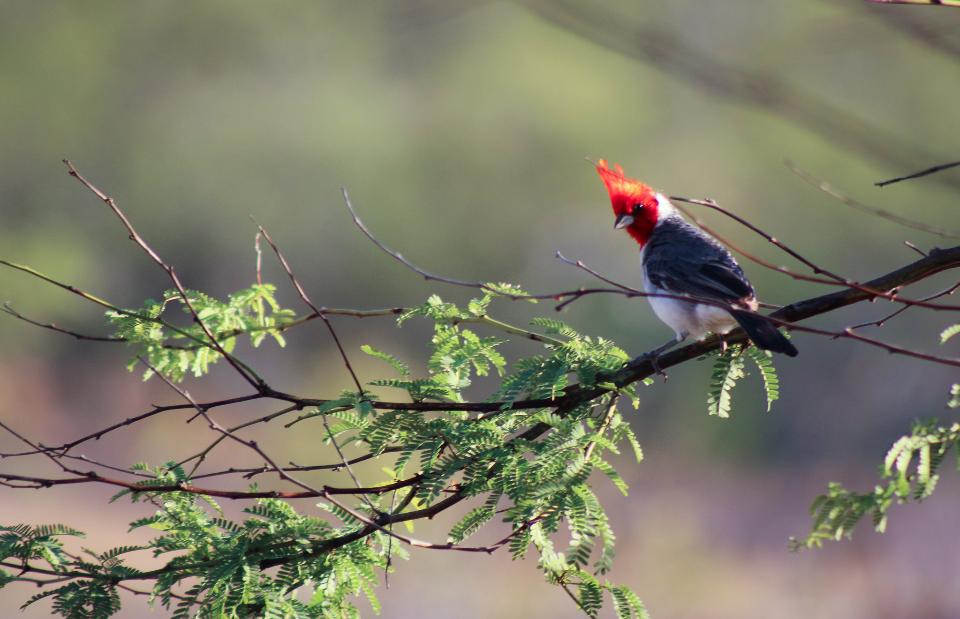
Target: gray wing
[{"x": 681, "y": 259}]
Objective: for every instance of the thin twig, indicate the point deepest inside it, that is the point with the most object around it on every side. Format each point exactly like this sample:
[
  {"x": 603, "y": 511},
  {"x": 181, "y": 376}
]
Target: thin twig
[
  {"x": 318, "y": 492},
  {"x": 608, "y": 416},
  {"x": 346, "y": 464},
  {"x": 400, "y": 258},
  {"x": 906, "y": 222},
  {"x": 915, "y": 248},
  {"x": 53, "y": 327},
  {"x": 242, "y": 369},
  {"x": 259, "y": 252},
  {"x": 924, "y": 172},
  {"x": 316, "y": 310},
  {"x": 583, "y": 267},
  {"x": 880, "y": 322},
  {"x": 239, "y": 495}
]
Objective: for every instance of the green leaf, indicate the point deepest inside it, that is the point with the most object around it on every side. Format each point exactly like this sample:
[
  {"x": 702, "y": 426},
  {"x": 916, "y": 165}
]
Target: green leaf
[
  {"x": 727, "y": 370},
  {"x": 470, "y": 524},
  {"x": 607, "y": 469},
  {"x": 627, "y": 604},
  {"x": 555, "y": 327},
  {"x": 590, "y": 595},
  {"x": 402, "y": 368},
  {"x": 763, "y": 359},
  {"x": 910, "y": 469},
  {"x": 508, "y": 290},
  {"x": 949, "y": 332}
]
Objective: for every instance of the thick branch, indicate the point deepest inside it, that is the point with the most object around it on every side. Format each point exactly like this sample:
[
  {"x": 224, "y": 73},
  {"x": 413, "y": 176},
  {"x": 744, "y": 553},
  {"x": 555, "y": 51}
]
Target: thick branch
[{"x": 937, "y": 261}]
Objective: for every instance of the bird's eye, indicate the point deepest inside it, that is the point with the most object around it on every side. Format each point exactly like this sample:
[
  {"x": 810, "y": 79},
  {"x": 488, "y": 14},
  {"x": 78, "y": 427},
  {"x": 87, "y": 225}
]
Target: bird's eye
[{"x": 637, "y": 207}]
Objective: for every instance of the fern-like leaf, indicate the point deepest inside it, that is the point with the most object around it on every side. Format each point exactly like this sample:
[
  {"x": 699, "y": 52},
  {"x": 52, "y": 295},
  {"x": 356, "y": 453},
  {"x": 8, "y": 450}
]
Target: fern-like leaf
[
  {"x": 763, "y": 359},
  {"x": 727, "y": 370}
]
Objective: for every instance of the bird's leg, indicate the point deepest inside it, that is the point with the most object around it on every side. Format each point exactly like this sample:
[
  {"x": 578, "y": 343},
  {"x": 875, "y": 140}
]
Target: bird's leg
[{"x": 653, "y": 356}]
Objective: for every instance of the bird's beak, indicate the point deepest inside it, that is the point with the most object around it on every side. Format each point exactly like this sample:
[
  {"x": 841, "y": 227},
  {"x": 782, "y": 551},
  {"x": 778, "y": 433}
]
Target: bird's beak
[{"x": 623, "y": 221}]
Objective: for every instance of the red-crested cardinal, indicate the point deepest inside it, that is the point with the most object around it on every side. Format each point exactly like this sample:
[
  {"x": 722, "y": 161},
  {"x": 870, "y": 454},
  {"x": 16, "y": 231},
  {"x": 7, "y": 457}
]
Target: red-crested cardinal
[{"x": 679, "y": 259}]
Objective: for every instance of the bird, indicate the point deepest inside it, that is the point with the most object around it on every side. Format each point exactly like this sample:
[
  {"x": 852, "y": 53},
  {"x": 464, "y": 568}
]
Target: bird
[{"x": 679, "y": 259}]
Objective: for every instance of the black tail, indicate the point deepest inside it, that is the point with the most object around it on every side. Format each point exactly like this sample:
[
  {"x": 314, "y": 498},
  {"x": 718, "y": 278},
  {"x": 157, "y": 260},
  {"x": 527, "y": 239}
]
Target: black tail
[{"x": 764, "y": 333}]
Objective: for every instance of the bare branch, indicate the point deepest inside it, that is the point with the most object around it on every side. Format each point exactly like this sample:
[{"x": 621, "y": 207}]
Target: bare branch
[
  {"x": 306, "y": 299},
  {"x": 583, "y": 267},
  {"x": 906, "y": 222},
  {"x": 91, "y": 477},
  {"x": 880, "y": 322},
  {"x": 53, "y": 327},
  {"x": 399, "y": 257},
  {"x": 242, "y": 369}
]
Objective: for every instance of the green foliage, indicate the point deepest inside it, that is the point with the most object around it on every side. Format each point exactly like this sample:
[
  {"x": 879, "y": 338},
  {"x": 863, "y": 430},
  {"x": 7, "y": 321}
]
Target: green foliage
[
  {"x": 729, "y": 367},
  {"x": 176, "y": 350},
  {"x": 627, "y": 604},
  {"x": 911, "y": 469},
  {"x": 727, "y": 370},
  {"x": 763, "y": 359},
  {"x": 93, "y": 594},
  {"x": 505, "y": 289},
  {"x": 350, "y": 412},
  {"x": 222, "y": 563},
  {"x": 457, "y": 353},
  {"x": 475, "y": 519},
  {"x": 40, "y": 542},
  {"x": 402, "y": 369},
  {"x": 540, "y": 486},
  {"x": 545, "y": 376},
  {"x": 949, "y": 332}
]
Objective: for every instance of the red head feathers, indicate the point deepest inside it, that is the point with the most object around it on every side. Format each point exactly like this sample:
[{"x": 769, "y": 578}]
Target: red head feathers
[{"x": 635, "y": 205}]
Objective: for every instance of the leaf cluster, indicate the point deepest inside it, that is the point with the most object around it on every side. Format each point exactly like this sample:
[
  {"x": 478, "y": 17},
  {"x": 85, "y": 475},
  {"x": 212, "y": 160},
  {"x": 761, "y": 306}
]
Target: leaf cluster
[
  {"x": 176, "y": 350},
  {"x": 526, "y": 474},
  {"x": 910, "y": 469},
  {"x": 729, "y": 367}
]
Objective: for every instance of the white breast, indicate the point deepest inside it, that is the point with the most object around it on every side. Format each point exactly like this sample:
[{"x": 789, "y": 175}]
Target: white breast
[{"x": 687, "y": 319}]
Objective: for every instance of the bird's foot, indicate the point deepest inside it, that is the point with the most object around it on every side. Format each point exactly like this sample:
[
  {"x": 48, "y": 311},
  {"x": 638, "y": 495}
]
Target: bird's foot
[{"x": 654, "y": 358}]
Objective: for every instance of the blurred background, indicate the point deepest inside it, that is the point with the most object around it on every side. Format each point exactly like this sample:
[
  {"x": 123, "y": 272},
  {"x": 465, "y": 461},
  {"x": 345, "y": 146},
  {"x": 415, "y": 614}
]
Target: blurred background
[{"x": 460, "y": 129}]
